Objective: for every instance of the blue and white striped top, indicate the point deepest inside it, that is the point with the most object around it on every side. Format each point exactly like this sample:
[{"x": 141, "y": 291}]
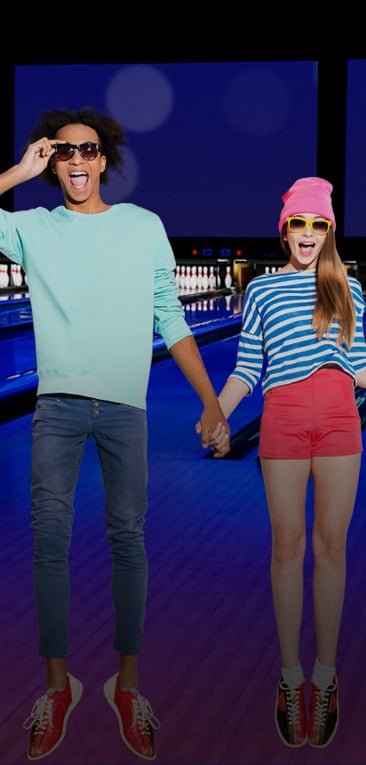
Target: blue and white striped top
[{"x": 277, "y": 327}]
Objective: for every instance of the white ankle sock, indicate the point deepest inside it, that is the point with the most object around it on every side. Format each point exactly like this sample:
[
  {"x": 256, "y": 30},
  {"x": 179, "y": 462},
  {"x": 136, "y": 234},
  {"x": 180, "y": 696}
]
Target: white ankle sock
[
  {"x": 323, "y": 676},
  {"x": 293, "y": 677}
]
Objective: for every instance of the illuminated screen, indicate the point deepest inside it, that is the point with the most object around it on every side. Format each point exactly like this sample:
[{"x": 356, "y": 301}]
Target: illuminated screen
[
  {"x": 355, "y": 194},
  {"x": 211, "y": 146}
]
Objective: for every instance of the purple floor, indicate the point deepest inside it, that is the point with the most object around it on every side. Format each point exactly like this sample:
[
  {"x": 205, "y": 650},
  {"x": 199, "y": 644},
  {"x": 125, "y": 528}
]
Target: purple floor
[{"x": 210, "y": 661}]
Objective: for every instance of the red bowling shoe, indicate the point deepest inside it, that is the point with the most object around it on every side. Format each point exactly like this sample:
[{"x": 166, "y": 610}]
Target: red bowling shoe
[
  {"x": 135, "y": 717},
  {"x": 49, "y": 716},
  {"x": 324, "y": 714},
  {"x": 291, "y": 714}
]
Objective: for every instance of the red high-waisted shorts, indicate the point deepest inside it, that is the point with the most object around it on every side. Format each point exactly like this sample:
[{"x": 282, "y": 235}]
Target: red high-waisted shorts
[{"x": 315, "y": 417}]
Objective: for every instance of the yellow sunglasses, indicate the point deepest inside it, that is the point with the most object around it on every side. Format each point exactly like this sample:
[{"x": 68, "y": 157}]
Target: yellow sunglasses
[{"x": 297, "y": 225}]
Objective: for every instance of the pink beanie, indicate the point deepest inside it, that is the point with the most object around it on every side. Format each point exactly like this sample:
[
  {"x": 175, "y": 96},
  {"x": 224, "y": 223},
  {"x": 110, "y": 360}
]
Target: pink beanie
[{"x": 308, "y": 195}]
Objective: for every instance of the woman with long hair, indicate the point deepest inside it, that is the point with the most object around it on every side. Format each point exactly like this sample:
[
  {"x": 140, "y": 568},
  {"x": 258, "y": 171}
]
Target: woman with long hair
[{"x": 306, "y": 320}]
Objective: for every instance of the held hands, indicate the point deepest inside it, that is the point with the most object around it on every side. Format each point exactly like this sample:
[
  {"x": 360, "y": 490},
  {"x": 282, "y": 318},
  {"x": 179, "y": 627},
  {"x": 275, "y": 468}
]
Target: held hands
[
  {"x": 214, "y": 430},
  {"x": 37, "y": 156}
]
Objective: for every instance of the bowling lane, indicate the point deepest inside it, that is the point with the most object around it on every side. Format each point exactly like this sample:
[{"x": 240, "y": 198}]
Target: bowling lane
[
  {"x": 210, "y": 660},
  {"x": 15, "y": 309},
  {"x": 17, "y": 356}
]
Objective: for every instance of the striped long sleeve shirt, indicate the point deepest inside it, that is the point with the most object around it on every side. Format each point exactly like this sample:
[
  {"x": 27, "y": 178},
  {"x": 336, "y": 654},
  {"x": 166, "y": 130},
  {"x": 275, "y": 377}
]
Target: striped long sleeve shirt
[{"x": 277, "y": 328}]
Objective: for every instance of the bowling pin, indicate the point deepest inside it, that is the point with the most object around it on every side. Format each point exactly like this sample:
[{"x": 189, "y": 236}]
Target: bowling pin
[
  {"x": 228, "y": 279},
  {"x": 6, "y": 276},
  {"x": 182, "y": 282},
  {"x": 194, "y": 279},
  {"x": 177, "y": 277},
  {"x": 188, "y": 278},
  {"x": 199, "y": 278},
  {"x": 19, "y": 276}
]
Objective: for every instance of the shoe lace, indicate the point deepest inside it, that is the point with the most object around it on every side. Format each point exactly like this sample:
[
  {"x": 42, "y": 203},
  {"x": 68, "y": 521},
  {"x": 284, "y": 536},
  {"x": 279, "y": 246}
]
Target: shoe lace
[
  {"x": 143, "y": 715},
  {"x": 293, "y": 705},
  {"x": 321, "y": 705},
  {"x": 40, "y": 714}
]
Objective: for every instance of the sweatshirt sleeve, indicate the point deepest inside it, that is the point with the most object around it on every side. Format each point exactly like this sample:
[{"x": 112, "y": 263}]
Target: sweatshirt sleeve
[
  {"x": 10, "y": 241},
  {"x": 169, "y": 318},
  {"x": 250, "y": 355},
  {"x": 357, "y": 351}
]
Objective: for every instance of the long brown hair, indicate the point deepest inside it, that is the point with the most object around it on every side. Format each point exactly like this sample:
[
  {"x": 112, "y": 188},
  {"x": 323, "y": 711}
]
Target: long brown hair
[{"x": 334, "y": 299}]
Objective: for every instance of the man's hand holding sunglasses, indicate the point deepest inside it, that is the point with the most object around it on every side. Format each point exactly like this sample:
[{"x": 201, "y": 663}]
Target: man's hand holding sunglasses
[
  {"x": 38, "y": 154},
  {"x": 36, "y": 157}
]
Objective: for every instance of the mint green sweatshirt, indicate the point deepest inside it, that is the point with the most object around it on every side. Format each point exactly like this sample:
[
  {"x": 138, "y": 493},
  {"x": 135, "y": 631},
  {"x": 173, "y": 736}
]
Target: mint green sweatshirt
[{"x": 98, "y": 283}]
